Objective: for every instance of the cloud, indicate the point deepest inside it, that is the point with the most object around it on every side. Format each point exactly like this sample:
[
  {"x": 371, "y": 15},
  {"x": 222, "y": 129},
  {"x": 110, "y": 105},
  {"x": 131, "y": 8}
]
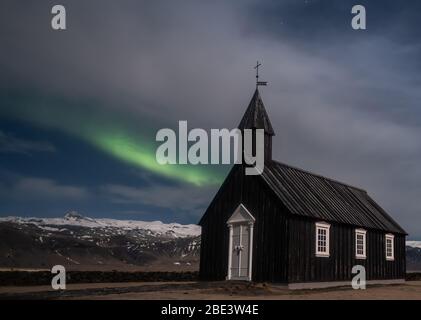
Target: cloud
[
  {"x": 172, "y": 197},
  {"x": 11, "y": 144},
  {"x": 40, "y": 189},
  {"x": 133, "y": 213}
]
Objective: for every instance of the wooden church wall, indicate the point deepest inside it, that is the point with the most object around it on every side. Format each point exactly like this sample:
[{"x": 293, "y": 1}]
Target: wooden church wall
[
  {"x": 269, "y": 237},
  {"x": 270, "y": 234},
  {"x": 214, "y": 238},
  {"x": 304, "y": 266}
]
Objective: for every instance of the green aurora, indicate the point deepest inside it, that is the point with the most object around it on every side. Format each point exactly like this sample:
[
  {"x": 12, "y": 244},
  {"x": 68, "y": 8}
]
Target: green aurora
[
  {"x": 125, "y": 148},
  {"x": 119, "y": 135}
]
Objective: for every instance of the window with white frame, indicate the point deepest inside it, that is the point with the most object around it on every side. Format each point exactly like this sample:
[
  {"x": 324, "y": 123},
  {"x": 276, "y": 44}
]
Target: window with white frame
[
  {"x": 322, "y": 239},
  {"x": 360, "y": 243},
  {"x": 390, "y": 251}
]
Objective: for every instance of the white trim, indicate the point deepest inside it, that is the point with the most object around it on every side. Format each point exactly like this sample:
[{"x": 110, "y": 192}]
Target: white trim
[
  {"x": 392, "y": 238},
  {"x": 322, "y": 226},
  {"x": 241, "y": 246},
  {"x": 241, "y": 217},
  {"x": 241, "y": 214},
  {"x": 364, "y": 234},
  {"x": 230, "y": 226},
  {"x": 251, "y": 226}
]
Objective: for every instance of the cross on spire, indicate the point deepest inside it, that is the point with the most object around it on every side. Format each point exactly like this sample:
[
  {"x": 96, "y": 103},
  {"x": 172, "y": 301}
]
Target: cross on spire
[{"x": 259, "y": 83}]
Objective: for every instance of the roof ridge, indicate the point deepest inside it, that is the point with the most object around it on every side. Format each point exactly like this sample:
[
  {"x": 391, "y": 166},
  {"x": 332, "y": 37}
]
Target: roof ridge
[{"x": 318, "y": 175}]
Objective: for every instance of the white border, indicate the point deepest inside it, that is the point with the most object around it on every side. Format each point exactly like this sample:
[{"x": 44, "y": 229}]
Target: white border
[
  {"x": 391, "y": 237},
  {"x": 364, "y": 233},
  {"x": 323, "y": 225}
]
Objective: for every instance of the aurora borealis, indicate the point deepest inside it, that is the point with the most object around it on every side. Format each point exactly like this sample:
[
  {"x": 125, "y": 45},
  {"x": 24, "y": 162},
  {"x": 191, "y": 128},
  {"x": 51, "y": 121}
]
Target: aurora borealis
[
  {"x": 113, "y": 134},
  {"x": 124, "y": 137},
  {"x": 127, "y": 149}
]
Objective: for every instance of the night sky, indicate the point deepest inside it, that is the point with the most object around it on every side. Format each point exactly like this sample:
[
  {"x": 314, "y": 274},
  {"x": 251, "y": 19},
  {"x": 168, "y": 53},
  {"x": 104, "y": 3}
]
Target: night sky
[{"x": 79, "y": 109}]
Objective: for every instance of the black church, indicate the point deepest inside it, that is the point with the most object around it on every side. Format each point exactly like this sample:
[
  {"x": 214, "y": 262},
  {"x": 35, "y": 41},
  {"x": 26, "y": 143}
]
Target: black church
[{"x": 295, "y": 227}]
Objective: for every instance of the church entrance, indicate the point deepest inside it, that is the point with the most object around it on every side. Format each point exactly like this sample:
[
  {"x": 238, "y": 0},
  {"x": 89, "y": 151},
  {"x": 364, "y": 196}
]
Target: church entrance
[{"x": 240, "y": 251}]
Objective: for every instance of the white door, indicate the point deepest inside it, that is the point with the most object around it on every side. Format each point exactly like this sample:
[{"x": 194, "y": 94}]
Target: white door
[
  {"x": 240, "y": 248},
  {"x": 240, "y": 252}
]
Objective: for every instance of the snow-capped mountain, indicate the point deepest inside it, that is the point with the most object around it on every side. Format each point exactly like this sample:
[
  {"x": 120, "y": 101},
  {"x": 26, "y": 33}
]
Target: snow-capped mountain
[
  {"x": 413, "y": 244},
  {"x": 172, "y": 230},
  {"x": 413, "y": 255},
  {"x": 80, "y": 242}
]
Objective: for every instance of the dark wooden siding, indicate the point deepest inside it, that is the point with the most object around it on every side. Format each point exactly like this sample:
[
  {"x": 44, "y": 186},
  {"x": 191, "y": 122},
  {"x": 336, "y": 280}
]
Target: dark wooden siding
[
  {"x": 304, "y": 266},
  {"x": 270, "y": 234},
  {"x": 214, "y": 238},
  {"x": 270, "y": 250}
]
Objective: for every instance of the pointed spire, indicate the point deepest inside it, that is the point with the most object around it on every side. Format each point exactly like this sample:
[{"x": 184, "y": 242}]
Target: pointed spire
[{"x": 256, "y": 116}]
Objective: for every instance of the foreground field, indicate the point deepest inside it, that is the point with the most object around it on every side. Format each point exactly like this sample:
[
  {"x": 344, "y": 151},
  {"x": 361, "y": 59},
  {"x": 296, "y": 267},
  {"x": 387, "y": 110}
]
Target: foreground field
[{"x": 207, "y": 290}]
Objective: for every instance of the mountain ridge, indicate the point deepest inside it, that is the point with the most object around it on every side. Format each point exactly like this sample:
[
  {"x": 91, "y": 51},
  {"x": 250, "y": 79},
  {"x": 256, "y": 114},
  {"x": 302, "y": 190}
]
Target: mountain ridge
[
  {"x": 73, "y": 218},
  {"x": 81, "y": 242}
]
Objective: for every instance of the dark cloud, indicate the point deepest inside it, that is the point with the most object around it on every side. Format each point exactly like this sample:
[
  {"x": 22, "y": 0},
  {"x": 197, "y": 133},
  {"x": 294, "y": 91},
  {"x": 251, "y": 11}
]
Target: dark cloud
[
  {"x": 12, "y": 144},
  {"x": 27, "y": 189},
  {"x": 170, "y": 197},
  {"x": 343, "y": 103}
]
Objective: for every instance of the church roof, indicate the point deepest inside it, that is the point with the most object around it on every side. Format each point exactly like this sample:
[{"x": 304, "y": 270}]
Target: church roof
[
  {"x": 311, "y": 195},
  {"x": 256, "y": 116}
]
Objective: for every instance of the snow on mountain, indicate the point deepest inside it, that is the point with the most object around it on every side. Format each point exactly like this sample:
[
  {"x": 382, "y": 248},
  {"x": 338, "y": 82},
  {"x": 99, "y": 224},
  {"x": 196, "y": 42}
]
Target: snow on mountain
[
  {"x": 81, "y": 242},
  {"x": 75, "y": 219},
  {"x": 413, "y": 244}
]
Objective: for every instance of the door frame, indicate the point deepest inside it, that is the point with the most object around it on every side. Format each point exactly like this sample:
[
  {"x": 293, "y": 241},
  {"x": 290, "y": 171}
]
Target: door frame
[{"x": 241, "y": 216}]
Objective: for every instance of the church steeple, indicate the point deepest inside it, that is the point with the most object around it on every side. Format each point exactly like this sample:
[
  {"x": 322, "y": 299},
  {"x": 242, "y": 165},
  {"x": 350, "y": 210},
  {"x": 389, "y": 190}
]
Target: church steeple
[{"x": 256, "y": 117}]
